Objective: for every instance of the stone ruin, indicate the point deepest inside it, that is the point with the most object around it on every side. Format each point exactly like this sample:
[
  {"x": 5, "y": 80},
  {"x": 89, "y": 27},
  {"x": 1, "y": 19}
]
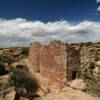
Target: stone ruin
[
  {"x": 61, "y": 61},
  {"x": 57, "y": 61}
]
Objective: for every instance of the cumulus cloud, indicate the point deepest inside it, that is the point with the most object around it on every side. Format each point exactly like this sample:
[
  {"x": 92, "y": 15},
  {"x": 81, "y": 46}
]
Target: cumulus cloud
[
  {"x": 97, "y": 0},
  {"x": 21, "y": 32},
  {"x": 98, "y": 9}
]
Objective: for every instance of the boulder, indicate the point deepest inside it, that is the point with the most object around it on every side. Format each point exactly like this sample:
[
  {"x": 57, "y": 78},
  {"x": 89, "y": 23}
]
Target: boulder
[
  {"x": 78, "y": 84},
  {"x": 40, "y": 93},
  {"x": 96, "y": 70},
  {"x": 10, "y": 96}
]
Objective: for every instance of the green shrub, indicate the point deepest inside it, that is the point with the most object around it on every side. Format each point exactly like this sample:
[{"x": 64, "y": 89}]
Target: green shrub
[
  {"x": 4, "y": 86},
  {"x": 92, "y": 65},
  {"x": 97, "y": 58},
  {"x": 87, "y": 76},
  {"x": 8, "y": 59},
  {"x": 94, "y": 89},
  {"x": 88, "y": 44},
  {"x": 82, "y": 44},
  {"x": 24, "y": 82},
  {"x": 93, "y": 83},
  {"x": 2, "y": 69},
  {"x": 25, "y": 52}
]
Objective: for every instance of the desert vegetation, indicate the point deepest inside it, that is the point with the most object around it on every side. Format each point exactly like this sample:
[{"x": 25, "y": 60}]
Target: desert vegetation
[
  {"x": 3, "y": 71},
  {"x": 27, "y": 86},
  {"x": 24, "y": 84},
  {"x": 93, "y": 82}
]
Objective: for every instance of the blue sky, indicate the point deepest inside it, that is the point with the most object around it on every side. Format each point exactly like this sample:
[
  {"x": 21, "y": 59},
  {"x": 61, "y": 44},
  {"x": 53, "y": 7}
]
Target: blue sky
[
  {"x": 50, "y": 10},
  {"x": 25, "y": 21}
]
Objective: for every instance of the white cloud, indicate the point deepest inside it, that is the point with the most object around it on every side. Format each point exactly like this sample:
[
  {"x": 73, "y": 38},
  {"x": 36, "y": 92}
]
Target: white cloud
[
  {"x": 98, "y": 9},
  {"x": 21, "y": 32},
  {"x": 97, "y": 0}
]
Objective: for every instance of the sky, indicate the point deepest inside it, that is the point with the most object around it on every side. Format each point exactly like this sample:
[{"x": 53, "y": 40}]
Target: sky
[{"x": 25, "y": 21}]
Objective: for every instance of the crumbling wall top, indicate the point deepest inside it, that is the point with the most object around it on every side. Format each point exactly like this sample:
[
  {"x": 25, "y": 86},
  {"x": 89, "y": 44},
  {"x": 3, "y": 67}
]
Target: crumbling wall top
[{"x": 35, "y": 44}]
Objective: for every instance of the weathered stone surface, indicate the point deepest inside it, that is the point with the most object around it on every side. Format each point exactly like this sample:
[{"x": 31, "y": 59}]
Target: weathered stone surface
[
  {"x": 68, "y": 94},
  {"x": 78, "y": 84},
  {"x": 53, "y": 61},
  {"x": 40, "y": 93},
  {"x": 89, "y": 54},
  {"x": 8, "y": 94},
  {"x": 34, "y": 56},
  {"x": 4, "y": 79}
]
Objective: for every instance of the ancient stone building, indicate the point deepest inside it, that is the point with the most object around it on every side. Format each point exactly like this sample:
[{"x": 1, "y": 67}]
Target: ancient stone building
[
  {"x": 57, "y": 61},
  {"x": 60, "y": 61}
]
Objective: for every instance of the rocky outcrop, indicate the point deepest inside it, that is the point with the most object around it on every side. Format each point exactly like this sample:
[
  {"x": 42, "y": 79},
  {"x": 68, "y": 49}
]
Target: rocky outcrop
[
  {"x": 10, "y": 57},
  {"x": 11, "y": 51},
  {"x": 4, "y": 79},
  {"x": 68, "y": 94},
  {"x": 89, "y": 54},
  {"x": 8, "y": 94},
  {"x": 96, "y": 70}
]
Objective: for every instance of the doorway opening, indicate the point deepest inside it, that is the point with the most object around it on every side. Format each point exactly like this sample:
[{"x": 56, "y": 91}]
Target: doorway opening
[{"x": 74, "y": 75}]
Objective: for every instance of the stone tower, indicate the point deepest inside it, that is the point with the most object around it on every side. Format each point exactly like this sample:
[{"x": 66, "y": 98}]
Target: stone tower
[
  {"x": 34, "y": 56},
  {"x": 57, "y": 61}
]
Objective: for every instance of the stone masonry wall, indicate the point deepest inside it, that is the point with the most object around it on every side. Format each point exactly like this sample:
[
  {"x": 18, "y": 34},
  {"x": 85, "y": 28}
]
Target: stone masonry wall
[
  {"x": 45, "y": 61},
  {"x": 34, "y": 56},
  {"x": 53, "y": 61}
]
